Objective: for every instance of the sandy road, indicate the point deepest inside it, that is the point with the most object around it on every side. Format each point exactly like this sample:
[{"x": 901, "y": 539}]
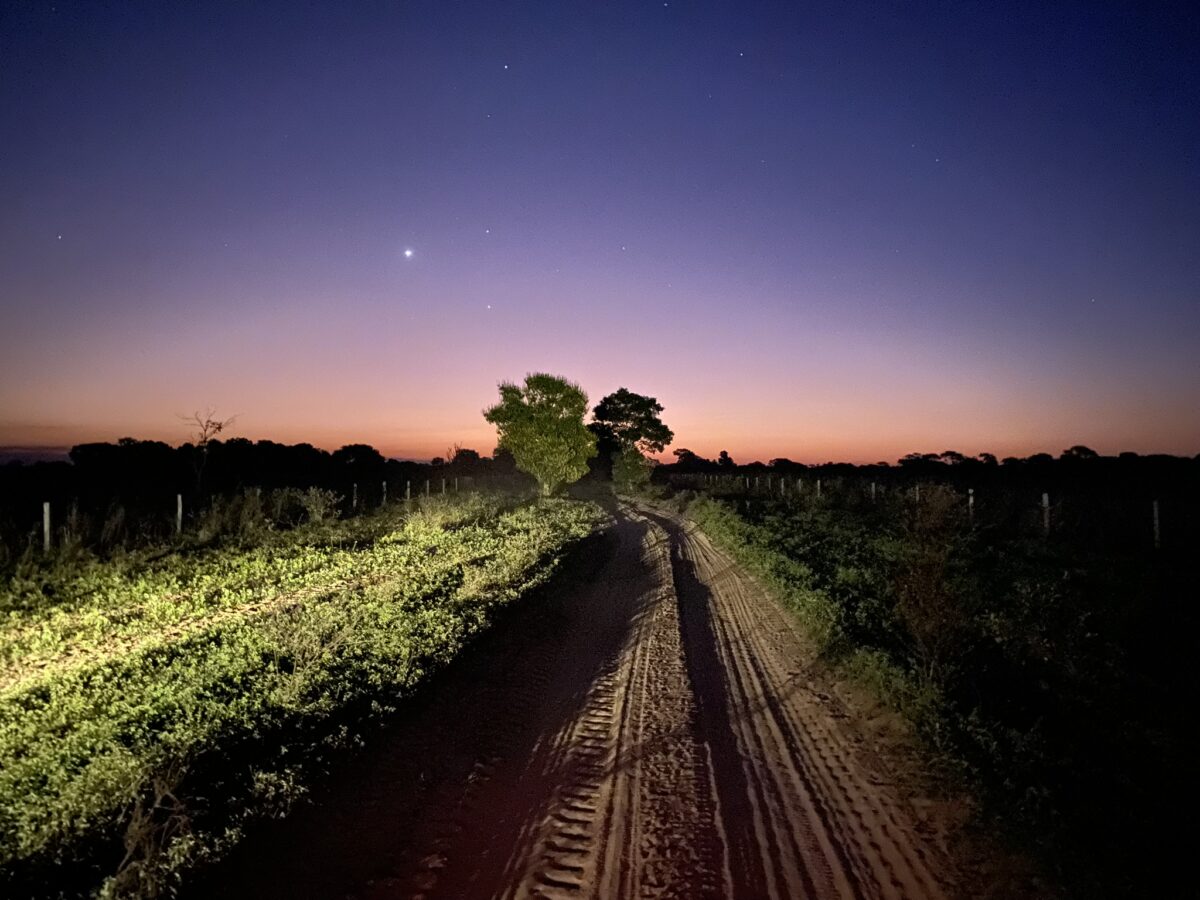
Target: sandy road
[{"x": 647, "y": 732}]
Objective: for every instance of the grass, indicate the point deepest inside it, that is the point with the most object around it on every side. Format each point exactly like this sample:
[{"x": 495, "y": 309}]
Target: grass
[{"x": 150, "y": 707}]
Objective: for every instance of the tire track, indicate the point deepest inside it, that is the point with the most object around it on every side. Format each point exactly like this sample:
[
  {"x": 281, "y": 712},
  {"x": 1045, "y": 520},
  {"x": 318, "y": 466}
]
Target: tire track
[
  {"x": 822, "y": 823},
  {"x": 636, "y": 816},
  {"x": 648, "y": 735}
]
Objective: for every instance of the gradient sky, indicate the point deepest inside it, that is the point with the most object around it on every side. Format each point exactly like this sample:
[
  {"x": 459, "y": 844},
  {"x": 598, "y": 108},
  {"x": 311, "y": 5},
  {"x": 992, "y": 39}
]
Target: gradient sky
[{"x": 842, "y": 231}]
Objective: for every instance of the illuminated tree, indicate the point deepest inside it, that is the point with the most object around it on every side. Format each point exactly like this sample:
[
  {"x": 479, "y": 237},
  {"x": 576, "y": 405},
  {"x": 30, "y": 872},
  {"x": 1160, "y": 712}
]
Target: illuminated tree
[{"x": 541, "y": 424}]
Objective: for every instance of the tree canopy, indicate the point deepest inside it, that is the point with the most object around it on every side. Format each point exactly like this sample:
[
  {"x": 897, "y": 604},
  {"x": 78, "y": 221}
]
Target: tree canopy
[
  {"x": 633, "y": 421},
  {"x": 541, "y": 424}
]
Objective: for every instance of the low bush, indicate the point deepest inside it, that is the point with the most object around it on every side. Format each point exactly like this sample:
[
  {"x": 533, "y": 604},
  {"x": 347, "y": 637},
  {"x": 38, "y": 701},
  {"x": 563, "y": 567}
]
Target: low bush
[{"x": 149, "y": 708}]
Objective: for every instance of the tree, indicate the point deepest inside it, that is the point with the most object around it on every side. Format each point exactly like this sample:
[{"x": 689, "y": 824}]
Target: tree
[
  {"x": 541, "y": 424},
  {"x": 358, "y": 458},
  {"x": 207, "y": 427},
  {"x": 725, "y": 461},
  {"x": 633, "y": 421},
  {"x": 463, "y": 460},
  {"x": 1079, "y": 451},
  {"x": 631, "y": 470}
]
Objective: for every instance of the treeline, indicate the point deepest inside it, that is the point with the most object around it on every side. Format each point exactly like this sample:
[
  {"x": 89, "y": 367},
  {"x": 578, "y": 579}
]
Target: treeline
[
  {"x": 1120, "y": 503},
  {"x": 1075, "y": 467},
  {"x": 139, "y": 480}
]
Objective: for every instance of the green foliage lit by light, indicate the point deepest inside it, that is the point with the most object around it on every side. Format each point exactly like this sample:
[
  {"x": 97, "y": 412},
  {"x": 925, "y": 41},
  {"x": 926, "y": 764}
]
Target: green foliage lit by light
[
  {"x": 541, "y": 425},
  {"x": 120, "y": 681}
]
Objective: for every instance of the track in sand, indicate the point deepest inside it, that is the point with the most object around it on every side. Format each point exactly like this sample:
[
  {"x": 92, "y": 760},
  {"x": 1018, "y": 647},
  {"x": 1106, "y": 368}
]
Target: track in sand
[{"x": 648, "y": 731}]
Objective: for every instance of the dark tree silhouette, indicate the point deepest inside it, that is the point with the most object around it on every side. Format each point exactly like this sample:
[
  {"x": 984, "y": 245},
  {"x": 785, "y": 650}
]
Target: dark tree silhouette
[
  {"x": 463, "y": 461},
  {"x": 725, "y": 461},
  {"x": 633, "y": 421},
  {"x": 358, "y": 458},
  {"x": 207, "y": 426}
]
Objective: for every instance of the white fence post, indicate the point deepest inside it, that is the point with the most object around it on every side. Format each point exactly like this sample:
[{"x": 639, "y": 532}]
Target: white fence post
[
  {"x": 1045, "y": 515},
  {"x": 383, "y": 502},
  {"x": 179, "y": 513},
  {"x": 971, "y": 505},
  {"x": 46, "y": 527},
  {"x": 1157, "y": 533}
]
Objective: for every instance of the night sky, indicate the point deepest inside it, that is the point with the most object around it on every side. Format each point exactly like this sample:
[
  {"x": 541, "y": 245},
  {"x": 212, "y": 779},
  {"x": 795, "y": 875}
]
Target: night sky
[{"x": 842, "y": 231}]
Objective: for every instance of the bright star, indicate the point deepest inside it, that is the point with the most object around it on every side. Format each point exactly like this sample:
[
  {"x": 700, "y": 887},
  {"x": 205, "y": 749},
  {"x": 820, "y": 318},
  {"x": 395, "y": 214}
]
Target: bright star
[{"x": 408, "y": 253}]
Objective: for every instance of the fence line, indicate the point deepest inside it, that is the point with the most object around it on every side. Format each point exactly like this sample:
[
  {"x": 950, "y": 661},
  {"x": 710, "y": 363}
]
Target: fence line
[
  {"x": 454, "y": 486},
  {"x": 1048, "y": 521}
]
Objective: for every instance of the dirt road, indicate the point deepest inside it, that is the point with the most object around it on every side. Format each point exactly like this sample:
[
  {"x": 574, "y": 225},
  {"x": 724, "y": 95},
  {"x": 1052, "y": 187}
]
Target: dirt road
[{"x": 648, "y": 732}]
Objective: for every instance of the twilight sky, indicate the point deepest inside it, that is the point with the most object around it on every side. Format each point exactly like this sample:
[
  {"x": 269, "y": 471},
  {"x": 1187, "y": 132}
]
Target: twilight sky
[{"x": 821, "y": 231}]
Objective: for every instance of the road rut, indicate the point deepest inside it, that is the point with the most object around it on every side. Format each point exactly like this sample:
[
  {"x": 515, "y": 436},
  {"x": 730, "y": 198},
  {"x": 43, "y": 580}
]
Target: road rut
[{"x": 649, "y": 733}]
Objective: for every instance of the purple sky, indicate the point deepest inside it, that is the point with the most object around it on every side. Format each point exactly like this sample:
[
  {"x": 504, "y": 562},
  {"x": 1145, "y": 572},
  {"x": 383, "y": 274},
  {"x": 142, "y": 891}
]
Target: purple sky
[{"x": 821, "y": 232}]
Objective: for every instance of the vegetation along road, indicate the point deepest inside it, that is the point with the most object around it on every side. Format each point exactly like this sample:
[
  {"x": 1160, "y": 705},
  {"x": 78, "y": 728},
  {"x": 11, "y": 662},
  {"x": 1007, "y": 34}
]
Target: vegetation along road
[{"x": 651, "y": 730}]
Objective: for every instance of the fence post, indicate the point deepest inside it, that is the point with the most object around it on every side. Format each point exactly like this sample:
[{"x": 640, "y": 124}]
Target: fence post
[
  {"x": 354, "y": 495},
  {"x": 443, "y": 485},
  {"x": 1157, "y": 533},
  {"x": 872, "y": 492},
  {"x": 383, "y": 502},
  {"x": 918, "y": 493},
  {"x": 46, "y": 527},
  {"x": 456, "y": 484},
  {"x": 818, "y": 488},
  {"x": 971, "y": 505},
  {"x": 179, "y": 513},
  {"x": 407, "y": 491},
  {"x": 426, "y": 487},
  {"x": 1045, "y": 515}
]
